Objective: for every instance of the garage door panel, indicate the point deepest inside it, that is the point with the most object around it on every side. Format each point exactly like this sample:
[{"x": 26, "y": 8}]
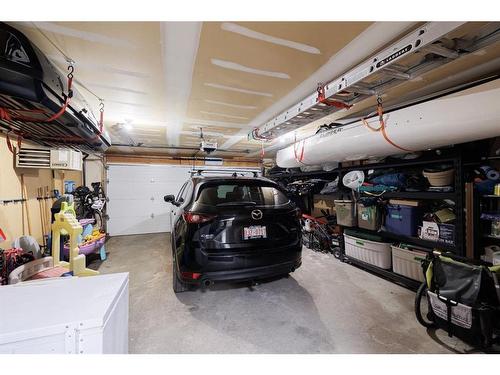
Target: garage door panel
[
  {"x": 136, "y": 194},
  {"x": 129, "y": 207},
  {"x": 135, "y": 225}
]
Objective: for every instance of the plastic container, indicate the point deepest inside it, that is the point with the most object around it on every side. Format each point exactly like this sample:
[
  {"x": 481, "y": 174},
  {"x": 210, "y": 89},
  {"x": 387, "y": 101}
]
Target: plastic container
[
  {"x": 346, "y": 214},
  {"x": 403, "y": 220},
  {"x": 404, "y": 263},
  {"x": 372, "y": 252},
  {"x": 368, "y": 217},
  {"x": 440, "y": 178}
]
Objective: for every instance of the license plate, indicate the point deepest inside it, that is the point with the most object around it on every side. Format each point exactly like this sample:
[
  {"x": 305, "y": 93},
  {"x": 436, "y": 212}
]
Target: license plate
[{"x": 255, "y": 231}]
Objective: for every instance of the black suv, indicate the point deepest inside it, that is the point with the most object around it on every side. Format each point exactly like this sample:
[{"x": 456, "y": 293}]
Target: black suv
[{"x": 232, "y": 228}]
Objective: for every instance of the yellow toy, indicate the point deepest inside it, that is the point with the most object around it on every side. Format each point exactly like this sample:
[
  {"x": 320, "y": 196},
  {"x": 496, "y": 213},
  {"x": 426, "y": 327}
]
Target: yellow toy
[{"x": 65, "y": 222}]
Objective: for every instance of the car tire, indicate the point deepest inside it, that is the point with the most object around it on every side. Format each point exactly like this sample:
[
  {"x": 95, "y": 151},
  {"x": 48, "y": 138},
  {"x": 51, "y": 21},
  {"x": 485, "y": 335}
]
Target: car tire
[{"x": 177, "y": 284}]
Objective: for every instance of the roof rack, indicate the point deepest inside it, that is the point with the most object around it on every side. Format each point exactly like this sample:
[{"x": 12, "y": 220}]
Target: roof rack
[{"x": 233, "y": 173}]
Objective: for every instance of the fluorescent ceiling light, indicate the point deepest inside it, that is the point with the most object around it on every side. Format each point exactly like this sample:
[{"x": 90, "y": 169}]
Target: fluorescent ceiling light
[
  {"x": 242, "y": 68},
  {"x": 126, "y": 103},
  {"x": 237, "y": 89},
  {"x": 235, "y": 28},
  {"x": 101, "y": 67},
  {"x": 224, "y": 115},
  {"x": 80, "y": 34},
  {"x": 231, "y": 105},
  {"x": 116, "y": 88}
]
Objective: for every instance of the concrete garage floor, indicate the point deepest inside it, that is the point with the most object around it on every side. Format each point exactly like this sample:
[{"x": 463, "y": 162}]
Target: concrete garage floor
[{"x": 326, "y": 306}]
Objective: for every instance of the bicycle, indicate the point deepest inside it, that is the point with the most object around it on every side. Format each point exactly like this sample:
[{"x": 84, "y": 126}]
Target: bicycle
[
  {"x": 89, "y": 204},
  {"x": 460, "y": 296}
]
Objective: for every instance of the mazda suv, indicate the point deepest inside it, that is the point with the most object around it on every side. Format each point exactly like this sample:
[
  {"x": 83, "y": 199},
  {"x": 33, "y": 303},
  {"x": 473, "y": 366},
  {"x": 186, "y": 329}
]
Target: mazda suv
[{"x": 232, "y": 228}]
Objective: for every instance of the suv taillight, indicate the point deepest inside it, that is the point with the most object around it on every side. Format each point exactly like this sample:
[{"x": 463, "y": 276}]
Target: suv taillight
[{"x": 195, "y": 218}]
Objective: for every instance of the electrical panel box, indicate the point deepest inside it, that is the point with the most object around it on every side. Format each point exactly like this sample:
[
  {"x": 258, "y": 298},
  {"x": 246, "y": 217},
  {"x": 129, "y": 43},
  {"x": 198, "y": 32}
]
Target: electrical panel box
[{"x": 64, "y": 158}]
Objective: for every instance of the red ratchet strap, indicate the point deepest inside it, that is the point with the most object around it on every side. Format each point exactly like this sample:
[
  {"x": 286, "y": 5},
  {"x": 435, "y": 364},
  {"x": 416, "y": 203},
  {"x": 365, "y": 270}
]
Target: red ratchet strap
[
  {"x": 295, "y": 149},
  {"x": 382, "y": 127},
  {"x": 256, "y": 136},
  {"x": 9, "y": 145},
  {"x": 330, "y": 102}
]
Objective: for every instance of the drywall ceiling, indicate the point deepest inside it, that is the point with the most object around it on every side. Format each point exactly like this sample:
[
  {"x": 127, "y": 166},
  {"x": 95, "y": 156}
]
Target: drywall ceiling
[{"x": 163, "y": 81}]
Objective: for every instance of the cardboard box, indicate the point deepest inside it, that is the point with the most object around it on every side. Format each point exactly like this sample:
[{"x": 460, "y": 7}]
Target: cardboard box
[
  {"x": 443, "y": 233},
  {"x": 323, "y": 202}
]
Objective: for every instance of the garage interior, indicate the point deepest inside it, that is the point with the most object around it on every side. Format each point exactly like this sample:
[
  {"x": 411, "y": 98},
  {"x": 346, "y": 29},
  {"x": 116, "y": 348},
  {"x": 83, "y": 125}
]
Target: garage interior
[{"x": 384, "y": 135}]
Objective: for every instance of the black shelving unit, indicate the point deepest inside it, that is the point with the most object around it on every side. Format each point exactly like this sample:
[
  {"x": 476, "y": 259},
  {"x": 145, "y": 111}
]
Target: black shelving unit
[
  {"x": 483, "y": 237},
  {"x": 457, "y": 195},
  {"x": 420, "y": 195},
  {"x": 451, "y": 156}
]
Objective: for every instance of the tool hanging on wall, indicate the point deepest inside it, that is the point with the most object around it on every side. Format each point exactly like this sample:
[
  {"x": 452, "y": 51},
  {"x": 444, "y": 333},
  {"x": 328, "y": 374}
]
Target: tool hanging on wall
[
  {"x": 25, "y": 204},
  {"x": 47, "y": 207},
  {"x": 41, "y": 206}
]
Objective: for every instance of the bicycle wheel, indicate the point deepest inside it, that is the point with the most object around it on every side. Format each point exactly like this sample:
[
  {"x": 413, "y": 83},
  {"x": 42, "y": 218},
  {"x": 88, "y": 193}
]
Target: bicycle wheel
[{"x": 422, "y": 308}]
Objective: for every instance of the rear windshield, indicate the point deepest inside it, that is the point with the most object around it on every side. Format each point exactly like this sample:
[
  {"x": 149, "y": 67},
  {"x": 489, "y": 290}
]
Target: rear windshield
[{"x": 230, "y": 194}]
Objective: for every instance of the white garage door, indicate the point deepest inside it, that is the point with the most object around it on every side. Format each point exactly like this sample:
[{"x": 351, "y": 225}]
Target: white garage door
[{"x": 136, "y": 193}]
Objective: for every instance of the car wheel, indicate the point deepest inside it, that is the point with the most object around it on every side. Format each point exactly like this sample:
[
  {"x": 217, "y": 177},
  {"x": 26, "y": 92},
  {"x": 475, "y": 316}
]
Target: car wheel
[{"x": 177, "y": 284}]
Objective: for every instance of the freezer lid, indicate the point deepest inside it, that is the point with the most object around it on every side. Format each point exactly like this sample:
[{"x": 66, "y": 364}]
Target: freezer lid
[{"x": 47, "y": 305}]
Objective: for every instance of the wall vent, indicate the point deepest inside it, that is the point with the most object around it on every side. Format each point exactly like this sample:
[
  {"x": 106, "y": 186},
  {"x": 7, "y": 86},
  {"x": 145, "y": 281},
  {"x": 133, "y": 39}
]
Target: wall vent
[{"x": 33, "y": 157}]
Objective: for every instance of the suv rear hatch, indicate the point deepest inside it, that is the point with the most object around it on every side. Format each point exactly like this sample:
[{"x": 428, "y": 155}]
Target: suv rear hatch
[{"x": 246, "y": 216}]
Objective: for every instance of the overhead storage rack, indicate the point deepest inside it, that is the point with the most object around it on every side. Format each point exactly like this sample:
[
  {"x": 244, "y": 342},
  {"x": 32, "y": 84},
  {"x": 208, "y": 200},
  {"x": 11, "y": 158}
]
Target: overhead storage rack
[
  {"x": 37, "y": 101},
  {"x": 422, "y": 50}
]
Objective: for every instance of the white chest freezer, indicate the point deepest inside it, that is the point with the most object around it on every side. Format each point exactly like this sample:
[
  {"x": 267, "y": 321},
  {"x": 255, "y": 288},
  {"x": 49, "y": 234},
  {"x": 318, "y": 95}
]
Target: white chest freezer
[{"x": 79, "y": 315}]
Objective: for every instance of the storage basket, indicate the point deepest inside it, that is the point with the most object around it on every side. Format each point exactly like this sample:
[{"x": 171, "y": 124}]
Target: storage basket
[
  {"x": 440, "y": 178},
  {"x": 403, "y": 220},
  {"x": 368, "y": 217},
  {"x": 372, "y": 252},
  {"x": 346, "y": 214},
  {"x": 404, "y": 262}
]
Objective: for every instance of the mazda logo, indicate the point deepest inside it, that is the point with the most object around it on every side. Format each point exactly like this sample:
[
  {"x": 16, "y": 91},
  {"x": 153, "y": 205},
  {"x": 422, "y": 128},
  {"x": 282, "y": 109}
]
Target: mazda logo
[{"x": 256, "y": 214}]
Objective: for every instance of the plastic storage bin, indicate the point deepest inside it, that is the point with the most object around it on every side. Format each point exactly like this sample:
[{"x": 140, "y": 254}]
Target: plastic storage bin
[
  {"x": 404, "y": 263},
  {"x": 346, "y": 214},
  {"x": 403, "y": 220},
  {"x": 372, "y": 252},
  {"x": 368, "y": 217}
]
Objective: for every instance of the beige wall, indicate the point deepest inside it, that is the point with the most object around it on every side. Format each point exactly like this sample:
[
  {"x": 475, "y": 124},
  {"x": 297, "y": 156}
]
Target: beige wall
[{"x": 12, "y": 220}]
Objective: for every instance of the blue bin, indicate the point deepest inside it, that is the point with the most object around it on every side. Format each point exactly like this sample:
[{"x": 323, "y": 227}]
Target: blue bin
[{"x": 403, "y": 220}]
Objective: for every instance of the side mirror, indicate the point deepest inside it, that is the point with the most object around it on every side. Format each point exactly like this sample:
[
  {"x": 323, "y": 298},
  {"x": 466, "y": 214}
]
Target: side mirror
[{"x": 169, "y": 198}]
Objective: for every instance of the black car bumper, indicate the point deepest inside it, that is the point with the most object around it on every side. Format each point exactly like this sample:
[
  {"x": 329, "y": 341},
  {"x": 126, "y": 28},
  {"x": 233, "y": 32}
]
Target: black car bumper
[{"x": 252, "y": 273}]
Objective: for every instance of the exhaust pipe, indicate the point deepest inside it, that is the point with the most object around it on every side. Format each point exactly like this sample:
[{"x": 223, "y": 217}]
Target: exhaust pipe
[{"x": 207, "y": 283}]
